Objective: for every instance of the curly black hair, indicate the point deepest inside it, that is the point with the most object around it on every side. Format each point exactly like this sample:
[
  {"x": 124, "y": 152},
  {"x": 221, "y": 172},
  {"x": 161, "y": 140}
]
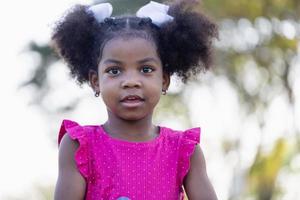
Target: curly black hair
[{"x": 184, "y": 45}]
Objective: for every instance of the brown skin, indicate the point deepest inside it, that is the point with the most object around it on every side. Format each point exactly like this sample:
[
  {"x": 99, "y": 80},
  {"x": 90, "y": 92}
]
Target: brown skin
[
  {"x": 70, "y": 183},
  {"x": 128, "y": 67},
  {"x": 196, "y": 183}
]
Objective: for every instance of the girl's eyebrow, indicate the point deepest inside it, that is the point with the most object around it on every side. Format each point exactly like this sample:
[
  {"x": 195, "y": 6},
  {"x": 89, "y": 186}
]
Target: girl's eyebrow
[
  {"x": 149, "y": 59},
  {"x": 112, "y": 61}
]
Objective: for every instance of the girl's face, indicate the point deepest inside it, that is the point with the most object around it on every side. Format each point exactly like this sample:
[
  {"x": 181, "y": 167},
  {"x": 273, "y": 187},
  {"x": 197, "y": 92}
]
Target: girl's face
[{"x": 130, "y": 78}]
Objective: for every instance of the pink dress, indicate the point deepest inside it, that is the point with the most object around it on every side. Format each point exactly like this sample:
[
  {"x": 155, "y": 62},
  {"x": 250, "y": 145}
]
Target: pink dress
[{"x": 115, "y": 169}]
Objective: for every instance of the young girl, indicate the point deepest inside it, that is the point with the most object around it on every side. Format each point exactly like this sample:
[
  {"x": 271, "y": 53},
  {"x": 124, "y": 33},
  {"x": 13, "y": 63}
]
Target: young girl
[{"x": 129, "y": 61}]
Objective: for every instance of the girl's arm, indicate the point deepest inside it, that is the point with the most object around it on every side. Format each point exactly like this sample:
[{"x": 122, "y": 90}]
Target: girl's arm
[
  {"x": 70, "y": 184},
  {"x": 196, "y": 182}
]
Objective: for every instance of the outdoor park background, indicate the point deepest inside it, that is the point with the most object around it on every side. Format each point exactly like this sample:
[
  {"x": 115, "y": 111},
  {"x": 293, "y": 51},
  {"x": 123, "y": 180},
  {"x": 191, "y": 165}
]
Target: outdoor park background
[{"x": 248, "y": 105}]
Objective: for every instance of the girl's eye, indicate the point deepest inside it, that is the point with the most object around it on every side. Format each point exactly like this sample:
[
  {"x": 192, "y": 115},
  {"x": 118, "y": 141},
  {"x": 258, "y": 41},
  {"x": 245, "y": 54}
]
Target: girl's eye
[
  {"x": 147, "y": 69},
  {"x": 114, "y": 71}
]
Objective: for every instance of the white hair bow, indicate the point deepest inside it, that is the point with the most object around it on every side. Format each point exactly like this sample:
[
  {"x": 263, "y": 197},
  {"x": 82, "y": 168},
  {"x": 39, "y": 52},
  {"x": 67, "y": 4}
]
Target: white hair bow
[
  {"x": 157, "y": 12},
  {"x": 101, "y": 11}
]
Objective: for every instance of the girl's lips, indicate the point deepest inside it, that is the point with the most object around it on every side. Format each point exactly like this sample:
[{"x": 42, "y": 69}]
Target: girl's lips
[
  {"x": 131, "y": 98},
  {"x": 132, "y": 101}
]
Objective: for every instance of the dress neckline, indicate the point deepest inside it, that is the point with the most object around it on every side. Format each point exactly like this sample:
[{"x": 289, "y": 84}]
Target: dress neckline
[{"x": 132, "y": 143}]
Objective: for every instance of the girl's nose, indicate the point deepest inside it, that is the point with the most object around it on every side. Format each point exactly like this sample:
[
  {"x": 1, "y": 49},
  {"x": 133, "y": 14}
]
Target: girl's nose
[{"x": 131, "y": 81}]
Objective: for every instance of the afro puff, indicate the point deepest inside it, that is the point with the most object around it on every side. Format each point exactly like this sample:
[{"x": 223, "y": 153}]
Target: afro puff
[{"x": 184, "y": 45}]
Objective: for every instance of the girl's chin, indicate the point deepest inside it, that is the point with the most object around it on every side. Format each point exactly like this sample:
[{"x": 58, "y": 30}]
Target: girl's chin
[{"x": 133, "y": 116}]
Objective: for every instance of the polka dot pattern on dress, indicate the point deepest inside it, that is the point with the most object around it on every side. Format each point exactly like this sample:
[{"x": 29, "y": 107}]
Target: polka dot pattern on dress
[{"x": 124, "y": 170}]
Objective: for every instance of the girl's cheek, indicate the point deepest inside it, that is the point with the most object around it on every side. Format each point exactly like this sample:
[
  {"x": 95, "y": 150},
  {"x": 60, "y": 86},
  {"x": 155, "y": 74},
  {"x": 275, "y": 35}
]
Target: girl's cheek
[{"x": 104, "y": 78}]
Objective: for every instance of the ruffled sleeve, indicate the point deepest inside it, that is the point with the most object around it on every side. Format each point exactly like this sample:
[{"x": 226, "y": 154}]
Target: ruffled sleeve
[
  {"x": 77, "y": 132},
  {"x": 189, "y": 139}
]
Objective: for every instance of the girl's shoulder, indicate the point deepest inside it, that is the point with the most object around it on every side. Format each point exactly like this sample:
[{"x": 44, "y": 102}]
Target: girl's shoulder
[
  {"x": 80, "y": 136},
  {"x": 191, "y": 135},
  {"x": 186, "y": 141},
  {"x": 74, "y": 130}
]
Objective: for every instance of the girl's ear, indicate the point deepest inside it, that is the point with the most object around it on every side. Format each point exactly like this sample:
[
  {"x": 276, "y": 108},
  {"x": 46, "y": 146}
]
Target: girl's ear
[
  {"x": 166, "y": 81},
  {"x": 94, "y": 81}
]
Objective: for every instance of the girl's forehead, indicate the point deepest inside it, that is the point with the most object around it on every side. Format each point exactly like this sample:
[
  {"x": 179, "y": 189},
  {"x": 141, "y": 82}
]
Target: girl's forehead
[{"x": 129, "y": 48}]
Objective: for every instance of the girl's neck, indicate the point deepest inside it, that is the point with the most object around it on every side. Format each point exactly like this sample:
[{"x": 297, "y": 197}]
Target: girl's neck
[{"x": 140, "y": 130}]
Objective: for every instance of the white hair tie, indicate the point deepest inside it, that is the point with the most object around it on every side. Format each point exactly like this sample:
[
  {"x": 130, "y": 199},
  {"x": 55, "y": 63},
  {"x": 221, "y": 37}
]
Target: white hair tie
[
  {"x": 157, "y": 12},
  {"x": 101, "y": 11}
]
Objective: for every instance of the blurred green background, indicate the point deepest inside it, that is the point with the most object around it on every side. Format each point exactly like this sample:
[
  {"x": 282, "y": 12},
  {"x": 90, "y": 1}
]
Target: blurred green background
[{"x": 252, "y": 144}]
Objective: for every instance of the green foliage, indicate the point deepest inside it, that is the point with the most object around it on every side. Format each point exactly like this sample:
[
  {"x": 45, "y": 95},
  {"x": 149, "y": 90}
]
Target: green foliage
[
  {"x": 254, "y": 8},
  {"x": 172, "y": 106},
  {"x": 47, "y": 59},
  {"x": 264, "y": 171}
]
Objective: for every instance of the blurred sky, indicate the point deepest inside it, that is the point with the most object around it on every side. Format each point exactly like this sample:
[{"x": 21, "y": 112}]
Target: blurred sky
[
  {"x": 28, "y": 154},
  {"x": 26, "y": 151}
]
